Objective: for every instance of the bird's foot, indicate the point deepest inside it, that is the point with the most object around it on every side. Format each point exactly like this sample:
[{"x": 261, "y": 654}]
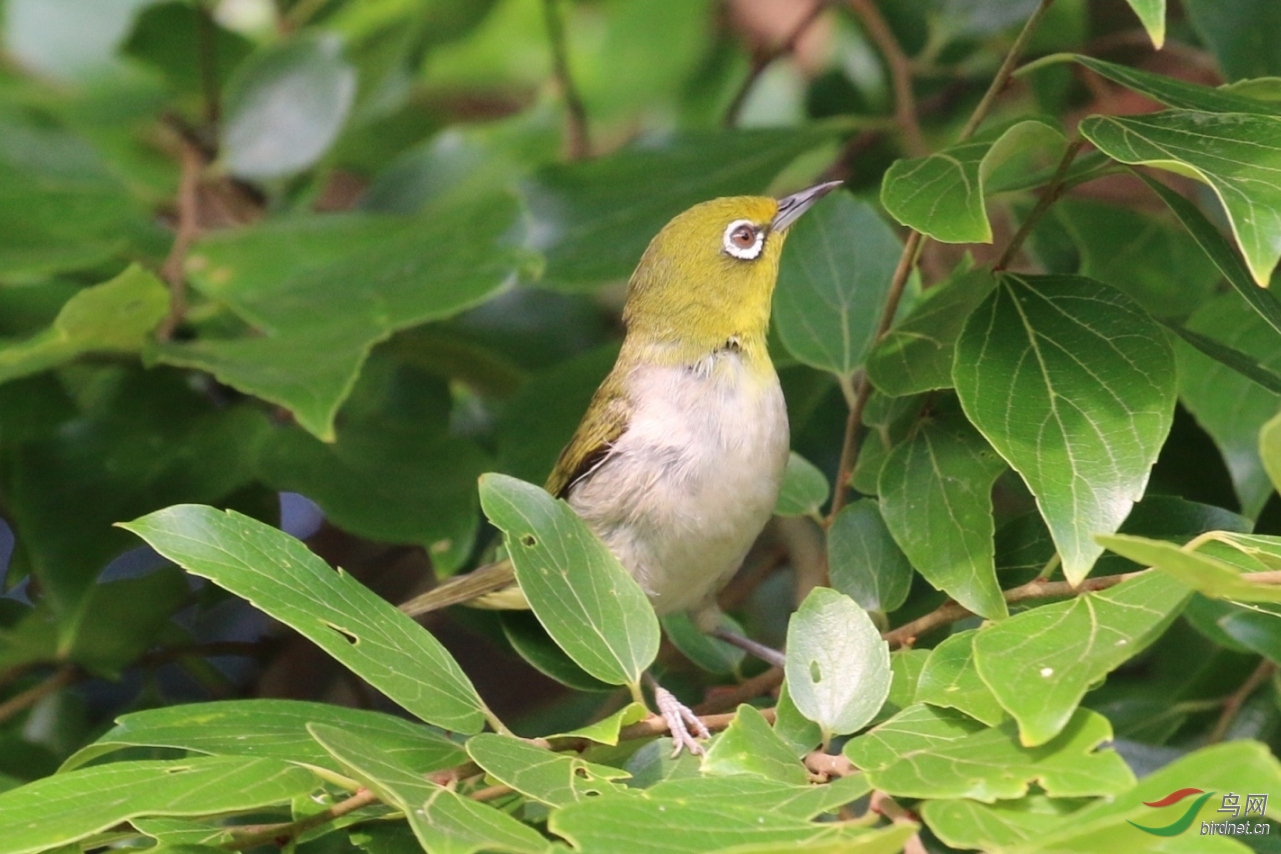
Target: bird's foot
[{"x": 680, "y": 721}]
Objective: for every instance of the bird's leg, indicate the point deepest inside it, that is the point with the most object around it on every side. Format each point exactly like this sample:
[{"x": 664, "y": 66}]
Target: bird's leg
[
  {"x": 767, "y": 654},
  {"x": 680, "y": 720}
]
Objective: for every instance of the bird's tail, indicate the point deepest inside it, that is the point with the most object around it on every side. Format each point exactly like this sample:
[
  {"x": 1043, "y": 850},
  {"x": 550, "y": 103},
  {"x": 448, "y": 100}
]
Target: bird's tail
[{"x": 492, "y": 586}]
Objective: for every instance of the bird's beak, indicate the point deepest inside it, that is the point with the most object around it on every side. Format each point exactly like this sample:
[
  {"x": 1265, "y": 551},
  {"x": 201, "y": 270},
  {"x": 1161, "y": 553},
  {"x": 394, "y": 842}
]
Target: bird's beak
[{"x": 791, "y": 207}]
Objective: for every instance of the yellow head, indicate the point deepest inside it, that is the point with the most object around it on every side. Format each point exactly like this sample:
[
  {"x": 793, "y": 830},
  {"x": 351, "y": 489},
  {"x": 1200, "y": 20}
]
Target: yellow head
[{"x": 708, "y": 277}]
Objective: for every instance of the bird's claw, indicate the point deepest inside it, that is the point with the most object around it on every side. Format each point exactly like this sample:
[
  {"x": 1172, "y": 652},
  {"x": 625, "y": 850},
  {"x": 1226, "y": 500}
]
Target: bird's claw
[{"x": 680, "y": 720}]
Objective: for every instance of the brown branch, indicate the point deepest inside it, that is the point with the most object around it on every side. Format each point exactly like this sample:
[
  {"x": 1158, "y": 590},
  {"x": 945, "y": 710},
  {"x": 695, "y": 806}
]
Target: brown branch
[
  {"x": 1003, "y": 73},
  {"x": 1051, "y": 194},
  {"x": 280, "y": 834},
  {"x": 192, "y": 160},
  {"x": 576, "y": 113},
  {"x": 900, "y": 68},
  {"x": 759, "y": 685},
  {"x": 826, "y": 766},
  {"x": 1233, "y": 702},
  {"x": 950, "y": 612},
  {"x": 59, "y": 679},
  {"x": 764, "y": 59}
]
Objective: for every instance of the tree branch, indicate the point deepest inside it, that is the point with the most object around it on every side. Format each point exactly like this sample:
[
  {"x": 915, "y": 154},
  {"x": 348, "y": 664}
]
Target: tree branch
[
  {"x": 575, "y": 112},
  {"x": 1003, "y": 73},
  {"x": 281, "y": 834},
  {"x": 1051, "y": 194},
  {"x": 900, "y": 68},
  {"x": 192, "y": 161},
  {"x": 765, "y": 59},
  {"x": 1233, "y": 702},
  {"x": 59, "y": 679}
]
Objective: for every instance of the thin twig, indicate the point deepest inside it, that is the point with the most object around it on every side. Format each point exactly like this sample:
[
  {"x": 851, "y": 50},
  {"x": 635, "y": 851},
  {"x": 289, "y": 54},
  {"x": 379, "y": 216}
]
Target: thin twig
[
  {"x": 59, "y": 679},
  {"x": 1048, "y": 197},
  {"x": 279, "y": 834},
  {"x": 1003, "y": 73},
  {"x": 192, "y": 160},
  {"x": 765, "y": 59},
  {"x": 576, "y": 113},
  {"x": 1233, "y": 702},
  {"x": 760, "y": 684},
  {"x": 900, "y": 68},
  {"x": 906, "y": 634}
]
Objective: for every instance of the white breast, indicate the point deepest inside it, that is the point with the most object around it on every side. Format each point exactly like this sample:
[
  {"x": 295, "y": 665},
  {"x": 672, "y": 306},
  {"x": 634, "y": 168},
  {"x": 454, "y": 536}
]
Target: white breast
[{"x": 693, "y": 480}]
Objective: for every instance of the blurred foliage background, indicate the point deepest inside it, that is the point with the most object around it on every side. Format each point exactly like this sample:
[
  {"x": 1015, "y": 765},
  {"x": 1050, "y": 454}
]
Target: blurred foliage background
[{"x": 327, "y": 261}]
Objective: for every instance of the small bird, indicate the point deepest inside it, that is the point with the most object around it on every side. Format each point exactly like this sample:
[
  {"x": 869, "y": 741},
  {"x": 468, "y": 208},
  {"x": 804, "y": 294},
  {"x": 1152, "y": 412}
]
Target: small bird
[{"x": 678, "y": 461}]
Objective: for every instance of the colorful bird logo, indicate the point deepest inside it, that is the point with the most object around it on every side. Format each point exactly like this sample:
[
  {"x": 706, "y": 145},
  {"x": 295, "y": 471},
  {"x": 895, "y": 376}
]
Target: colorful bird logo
[{"x": 1182, "y": 822}]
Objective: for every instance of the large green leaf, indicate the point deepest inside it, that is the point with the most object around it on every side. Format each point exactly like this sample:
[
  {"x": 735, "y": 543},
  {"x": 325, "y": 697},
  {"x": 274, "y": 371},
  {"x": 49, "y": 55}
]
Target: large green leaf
[
  {"x": 340, "y": 615},
  {"x": 64, "y": 808},
  {"x": 743, "y": 790},
  {"x": 1201, "y": 572},
  {"x": 595, "y": 218},
  {"x": 838, "y": 668},
  {"x": 582, "y": 595},
  {"x": 442, "y": 820},
  {"x": 1074, "y": 385},
  {"x": 113, "y": 317},
  {"x": 863, "y": 561},
  {"x": 273, "y": 728},
  {"x": 1177, "y": 93},
  {"x": 1236, "y": 154},
  {"x": 916, "y": 355},
  {"x": 950, "y": 680},
  {"x": 1040, "y": 663},
  {"x": 285, "y": 107},
  {"x": 320, "y": 309},
  {"x": 942, "y": 195},
  {"x": 936, "y": 496},
  {"x": 924, "y": 752},
  {"x": 994, "y": 827},
  {"x": 554, "y": 779},
  {"x": 748, "y": 746},
  {"x": 833, "y": 278},
  {"x": 1231, "y": 408}
]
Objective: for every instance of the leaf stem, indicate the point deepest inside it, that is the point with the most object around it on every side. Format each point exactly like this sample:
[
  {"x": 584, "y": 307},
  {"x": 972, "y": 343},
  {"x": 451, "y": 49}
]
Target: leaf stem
[
  {"x": 192, "y": 161},
  {"x": 900, "y": 68},
  {"x": 59, "y": 679},
  {"x": 1233, "y": 703},
  {"x": 1003, "y": 73},
  {"x": 764, "y": 59},
  {"x": 280, "y": 834},
  {"x": 575, "y": 112},
  {"x": 1053, "y": 191}
]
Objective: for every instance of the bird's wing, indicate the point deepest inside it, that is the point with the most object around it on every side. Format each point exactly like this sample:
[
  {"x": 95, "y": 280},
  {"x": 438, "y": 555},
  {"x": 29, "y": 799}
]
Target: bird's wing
[
  {"x": 464, "y": 588},
  {"x": 605, "y": 421}
]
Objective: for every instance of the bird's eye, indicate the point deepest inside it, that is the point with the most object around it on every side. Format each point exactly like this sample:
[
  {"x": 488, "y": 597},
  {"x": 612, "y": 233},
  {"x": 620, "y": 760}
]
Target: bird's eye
[{"x": 743, "y": 240}]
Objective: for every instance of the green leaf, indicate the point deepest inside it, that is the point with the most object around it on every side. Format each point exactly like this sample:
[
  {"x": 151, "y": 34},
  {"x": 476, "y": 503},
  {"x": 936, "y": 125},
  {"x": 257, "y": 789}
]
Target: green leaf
[
  {"x": 942, "y": 195},
  {"x": 752, "y": 792},
  {"x": 712, "y": 654},
  {"x": 1203, "y": 573},
  {"x": 113, "y": 317},
  {"x": 863, "y": 561},
  {"x": 139, "y": 610},
  {"x": 608, "y": 730},
  {"x": 916, "y": 355},
  {"x": 582, "y": 595},
  {"x": 1270, "y": 449},
  {"x": 271, "y": 728},
  {"x": 1105, "y": 825},
  {"x": 1235, "y": 31},
  {"x": 1177, "y": 93},
  {"x": 64, "y": 808},
  {"x": 443, "y": 820},
  {"x": 936, "y": 497},
  {"x": 1152, "y": 15},
  {"x": 531, "y": 642},
  {"x": 1221, "y": 252},
  {"x": 750, "y": 746},
  {"x": 595, "y": 218},
  {"x": 950, "y": 680},
  {"x": 838, "y": 668},
  {"x": 924, "y": 752},
  {"x": 320, "y": 310},
  {"x": 1074, "y": 385},
  {"x": 797, "y": 731},
  {"x": 339, "y": 614},
  {"x": 994, "y": 827},
  {"x": 1231, "y": 408},
  {"x": 1234, "y": 153},
  {"x": 906, "y": 665},
  {"x": 1064, "y": 648},
  {"x": 833, "y": 278},
  {"x": 554, "y": 779},
  {"x": 1247, "y": 366},
  {"x": 804, "y": 488},
  {"x": 285, "y": 106}
]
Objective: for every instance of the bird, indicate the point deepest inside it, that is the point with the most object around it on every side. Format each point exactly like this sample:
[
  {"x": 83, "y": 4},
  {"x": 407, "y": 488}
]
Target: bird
[{"x": 677, "y": 463}]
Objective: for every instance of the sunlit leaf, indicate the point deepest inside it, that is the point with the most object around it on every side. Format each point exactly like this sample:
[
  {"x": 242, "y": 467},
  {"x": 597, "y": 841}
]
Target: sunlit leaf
[
  {"x": 951, "y": 680},
  {"x": 1201, "y": 572},
  {"x": 552, "y": 778}
]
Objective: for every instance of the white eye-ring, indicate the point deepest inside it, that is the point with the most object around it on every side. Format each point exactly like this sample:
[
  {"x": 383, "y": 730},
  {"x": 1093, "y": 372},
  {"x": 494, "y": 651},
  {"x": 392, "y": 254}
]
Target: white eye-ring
[{"x": 743, "y": 239}]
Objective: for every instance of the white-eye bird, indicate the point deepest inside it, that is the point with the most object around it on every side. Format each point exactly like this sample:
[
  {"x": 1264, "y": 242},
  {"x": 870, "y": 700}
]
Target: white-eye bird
[{"x": 678, "y": 461}]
